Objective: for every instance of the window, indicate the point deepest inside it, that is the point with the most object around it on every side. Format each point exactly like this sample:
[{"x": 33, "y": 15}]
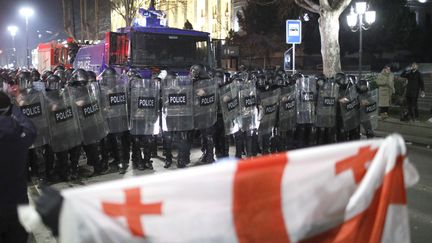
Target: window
[{"x": 168, "y": 50}]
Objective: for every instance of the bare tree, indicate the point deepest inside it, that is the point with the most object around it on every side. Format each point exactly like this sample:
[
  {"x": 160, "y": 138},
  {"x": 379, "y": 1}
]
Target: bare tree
[
  {"x": 127, "y": 9},
  {"x": 68, "y": 18},
  {"x": 329, "y": 12}
]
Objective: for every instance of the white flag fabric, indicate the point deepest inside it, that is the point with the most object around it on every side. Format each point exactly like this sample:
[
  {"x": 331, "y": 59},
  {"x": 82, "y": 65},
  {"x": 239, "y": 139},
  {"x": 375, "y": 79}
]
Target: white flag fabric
[{"x": 349, "y": 192}]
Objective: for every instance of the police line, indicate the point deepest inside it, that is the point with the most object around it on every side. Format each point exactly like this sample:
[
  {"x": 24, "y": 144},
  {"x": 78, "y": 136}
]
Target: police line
[{"x": 350, "y": 192}]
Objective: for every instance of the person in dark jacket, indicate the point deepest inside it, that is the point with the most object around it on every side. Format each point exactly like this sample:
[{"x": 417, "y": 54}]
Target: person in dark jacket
[
  {"x": 415, "y": 86},
  {"x": 17, "y": 133}
]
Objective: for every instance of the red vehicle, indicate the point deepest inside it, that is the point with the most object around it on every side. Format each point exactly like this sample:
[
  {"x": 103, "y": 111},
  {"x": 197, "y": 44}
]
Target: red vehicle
[{"x": 51, "y": 54}]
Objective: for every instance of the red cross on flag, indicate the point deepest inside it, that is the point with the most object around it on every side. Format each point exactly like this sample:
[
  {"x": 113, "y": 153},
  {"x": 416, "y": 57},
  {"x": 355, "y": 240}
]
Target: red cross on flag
[{"x": 350, "y": 192}]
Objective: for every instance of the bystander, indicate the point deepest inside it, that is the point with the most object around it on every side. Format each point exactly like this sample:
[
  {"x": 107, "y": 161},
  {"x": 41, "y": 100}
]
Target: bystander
[
  {"x": 385, "y": 81},
  {"x": 415, "y": 87}
]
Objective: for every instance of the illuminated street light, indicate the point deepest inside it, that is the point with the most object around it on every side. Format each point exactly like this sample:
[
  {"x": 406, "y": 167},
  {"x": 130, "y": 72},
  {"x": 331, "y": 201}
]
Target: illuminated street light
[
  {"x": 355, "y": 22},
  {"x": 27, "y": 13},
  {"x": 13, "y": 31}
]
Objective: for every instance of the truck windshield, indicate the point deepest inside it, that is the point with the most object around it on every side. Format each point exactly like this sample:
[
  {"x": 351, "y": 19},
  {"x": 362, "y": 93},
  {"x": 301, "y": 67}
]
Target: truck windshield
[{"x": 165, "y": 50}]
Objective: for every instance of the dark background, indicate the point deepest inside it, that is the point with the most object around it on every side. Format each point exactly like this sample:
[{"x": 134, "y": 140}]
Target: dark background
[{"x": 47, "y": 17}]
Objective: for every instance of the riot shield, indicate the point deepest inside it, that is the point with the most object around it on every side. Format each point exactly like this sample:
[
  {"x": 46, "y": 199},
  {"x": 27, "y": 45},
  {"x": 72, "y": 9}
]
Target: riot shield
[
  {"x": 326, "y": 105},
  {"x": 32, "y": 104},
  {"x": 305, "y": 100},
  {"x": 205, "y": 105},
  {"x": 64, "y": 128},
  {"x": 229, "y": 102},
  {"x": 145, "y": 96},
  {"x": 350, "y": 108},
  {"x": 287, "y": 109},
  {"x": 369, "y": 107},
  {"x": 177, "y": 104},
  {"x": 268, "y": 107},
  {"x": 114, "y": 103},
  {"x": 86, "y": 107},
  {"x": 248, "y": 119}
]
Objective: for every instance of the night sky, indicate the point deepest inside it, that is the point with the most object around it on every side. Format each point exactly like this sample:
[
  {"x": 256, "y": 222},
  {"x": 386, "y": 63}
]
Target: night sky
[{"x": 48, "y": 16}]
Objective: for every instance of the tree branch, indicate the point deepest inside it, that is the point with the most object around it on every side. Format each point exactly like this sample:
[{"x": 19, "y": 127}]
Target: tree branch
[
  {"x": 308, "y": 5},
  {"x": 325, "y": 4},
  {"x": 341, "y": 5}
]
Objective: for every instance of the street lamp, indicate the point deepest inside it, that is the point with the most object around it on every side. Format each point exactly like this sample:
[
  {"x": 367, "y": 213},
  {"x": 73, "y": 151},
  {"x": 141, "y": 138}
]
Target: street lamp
[
  {"x": 359, "y": 13},
  {"x": 27, "y": 13},
  {"x": 13, "y": 30}
]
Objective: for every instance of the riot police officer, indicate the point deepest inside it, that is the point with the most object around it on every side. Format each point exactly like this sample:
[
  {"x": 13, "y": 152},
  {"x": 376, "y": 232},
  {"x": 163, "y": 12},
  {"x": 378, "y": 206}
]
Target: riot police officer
[
  {"x": 328, "y": 91},
  {"x": 93, "y": 127},
  {"x": 144, "y": 118},
  {"x": 64, "y": 130},
  {"x": 205, "y": 109},
  {"x": 268, "y": 98},
  {"x": 177, "y": 116},
  {"x": 348, "y": 109},
  {"x": 221, "y": 141},
  {"x": 32, "y": 104},
  {"x": 287, "y": 113},
  {"x": 247, "y": 136},
  {"x": 305, "y": 102},
  {"x": 276, "y": 139},
  {"x": 113, "y": 89},
  {"x": 368, "y": 108}
]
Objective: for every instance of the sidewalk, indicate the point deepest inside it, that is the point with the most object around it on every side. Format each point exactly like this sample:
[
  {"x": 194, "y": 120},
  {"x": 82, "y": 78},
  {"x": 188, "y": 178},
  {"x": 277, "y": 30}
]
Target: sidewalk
[{"x": 415, "y": 132}]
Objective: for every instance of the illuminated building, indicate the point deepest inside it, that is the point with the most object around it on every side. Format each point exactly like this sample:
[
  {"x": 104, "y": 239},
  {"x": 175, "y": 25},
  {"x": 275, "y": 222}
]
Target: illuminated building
[{"x": 217, "y": 17}]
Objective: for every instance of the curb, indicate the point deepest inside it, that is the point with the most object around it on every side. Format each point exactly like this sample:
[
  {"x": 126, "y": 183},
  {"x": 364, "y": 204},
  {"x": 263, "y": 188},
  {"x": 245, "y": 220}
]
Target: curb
[
  {"x": 408, "y": 138},
  {"x": 418, "y": 132}
]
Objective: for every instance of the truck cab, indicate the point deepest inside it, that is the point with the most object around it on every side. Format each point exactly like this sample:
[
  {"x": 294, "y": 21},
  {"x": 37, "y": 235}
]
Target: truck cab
[
  {"x": 147, "y": 45},
  {"x": 51, "y": 54}
]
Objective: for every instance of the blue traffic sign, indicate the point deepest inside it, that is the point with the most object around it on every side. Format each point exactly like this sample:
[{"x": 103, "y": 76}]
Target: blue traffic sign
[{"x": 293, "y": 31}]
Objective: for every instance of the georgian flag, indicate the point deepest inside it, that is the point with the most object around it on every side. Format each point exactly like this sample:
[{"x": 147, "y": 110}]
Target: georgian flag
[{"x": 349, "y": 192}]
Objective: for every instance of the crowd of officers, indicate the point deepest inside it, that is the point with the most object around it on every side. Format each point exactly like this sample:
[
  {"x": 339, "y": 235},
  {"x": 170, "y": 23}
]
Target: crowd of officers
[{"x": 115, "y": 116}]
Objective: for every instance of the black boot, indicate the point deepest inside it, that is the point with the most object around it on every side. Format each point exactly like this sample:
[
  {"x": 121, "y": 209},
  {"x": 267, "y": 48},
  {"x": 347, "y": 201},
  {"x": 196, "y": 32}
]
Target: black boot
[
  {"x": 239, "y": 144},
  {"x": 74, "y": 173},
  {"x": 168, "y": 161},
  {"x": 136, "y": 153},
  {"x": 123, "y": 168},
  {"x": 167, "y": 143}
]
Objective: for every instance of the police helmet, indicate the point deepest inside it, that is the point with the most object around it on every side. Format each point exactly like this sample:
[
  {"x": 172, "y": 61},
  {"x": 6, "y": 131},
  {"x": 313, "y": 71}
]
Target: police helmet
[
  {"x": 45, "y": 75},
  {"x": 198, "y": 71},
  {"x": 321, "y": 80},
  {"x": 133, "y": 73},
  {"x": 342, "y": 80},
  {"x": 281, "y": 72},
  {"x": 363, "y": 86},
  {"x": 62, "y": 75},
  {"x": 91, "y": 76},
  {"x": 53, "y": 82},
  {"x": 279, "y": 80},
  {"x": 297, "y": 76},
  {"x": 261, "y": 79},
  {"x": 108, "y": 72},
  {"x": 79, "y": 77},
  {"x": 220, "y": 77},
  {"x": 59, "y": 67},
  {"x": 35, "y": 75},
  {"x": 23, "y": 79}
]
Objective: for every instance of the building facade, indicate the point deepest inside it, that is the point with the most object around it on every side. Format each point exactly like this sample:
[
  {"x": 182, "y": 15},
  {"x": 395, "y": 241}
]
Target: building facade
[
  {"x": 217, "y": 17},
  {"x": 86, "y": 19},
  {"x": 422, "y": 10}
]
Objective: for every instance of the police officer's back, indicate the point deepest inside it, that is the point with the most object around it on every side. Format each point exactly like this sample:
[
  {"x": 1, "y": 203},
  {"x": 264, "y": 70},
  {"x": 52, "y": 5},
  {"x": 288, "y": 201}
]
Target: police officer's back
[{"x": 17, "y": 133}]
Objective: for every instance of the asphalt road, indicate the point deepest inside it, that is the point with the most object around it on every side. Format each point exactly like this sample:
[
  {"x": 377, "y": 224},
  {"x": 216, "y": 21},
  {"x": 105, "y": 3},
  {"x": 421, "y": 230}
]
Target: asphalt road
[{"x": 419, "y": 196}]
